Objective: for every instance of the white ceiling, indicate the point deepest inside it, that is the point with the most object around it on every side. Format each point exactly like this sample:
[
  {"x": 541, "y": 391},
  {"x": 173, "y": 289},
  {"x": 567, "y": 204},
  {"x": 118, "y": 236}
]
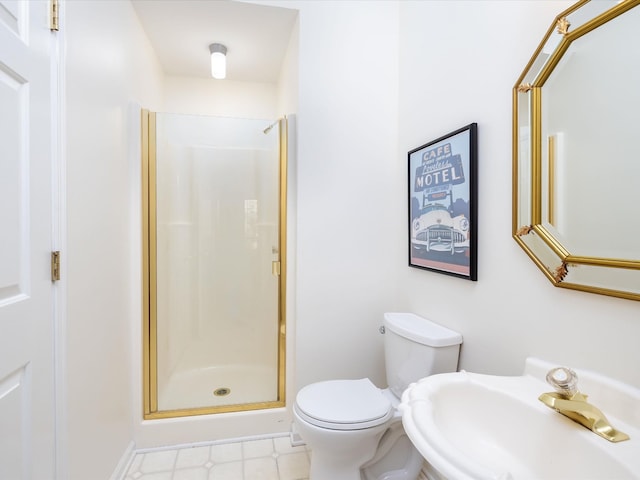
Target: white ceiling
[{"x": 180, "y": 31}]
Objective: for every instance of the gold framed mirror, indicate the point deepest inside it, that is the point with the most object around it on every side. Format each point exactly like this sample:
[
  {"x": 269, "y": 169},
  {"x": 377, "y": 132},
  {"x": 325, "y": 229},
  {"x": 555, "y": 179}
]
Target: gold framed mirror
[{"x": 576, "y": 158}]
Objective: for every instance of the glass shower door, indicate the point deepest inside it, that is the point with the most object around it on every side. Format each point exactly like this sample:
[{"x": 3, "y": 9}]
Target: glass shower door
[{"x": 215, "y": 242}]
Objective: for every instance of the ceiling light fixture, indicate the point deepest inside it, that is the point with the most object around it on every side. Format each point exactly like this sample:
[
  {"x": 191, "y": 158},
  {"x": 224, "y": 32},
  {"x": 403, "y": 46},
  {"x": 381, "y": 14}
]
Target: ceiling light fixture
[{"x": 218, "y": 60}]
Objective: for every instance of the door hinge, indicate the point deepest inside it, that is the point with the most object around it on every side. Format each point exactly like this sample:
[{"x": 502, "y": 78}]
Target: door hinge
[
  {"x": 54, "y": 15},
  {"x": 55, "y": 266}
]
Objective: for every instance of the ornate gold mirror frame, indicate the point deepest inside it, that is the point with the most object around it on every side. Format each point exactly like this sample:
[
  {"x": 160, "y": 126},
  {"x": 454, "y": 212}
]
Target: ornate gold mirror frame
[{"x": 536, "y": 154}]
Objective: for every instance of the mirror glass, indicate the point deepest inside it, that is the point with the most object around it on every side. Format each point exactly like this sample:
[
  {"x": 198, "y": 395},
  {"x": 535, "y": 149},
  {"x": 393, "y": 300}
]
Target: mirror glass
[{"x": 576, "y": 159}]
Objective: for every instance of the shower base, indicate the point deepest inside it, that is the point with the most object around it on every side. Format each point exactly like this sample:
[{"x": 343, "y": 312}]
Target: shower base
[{"x": 197, "y": 388}]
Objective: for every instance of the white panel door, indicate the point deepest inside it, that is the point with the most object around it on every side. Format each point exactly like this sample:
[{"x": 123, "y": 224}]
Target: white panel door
[{"x": 26, "y": 291}]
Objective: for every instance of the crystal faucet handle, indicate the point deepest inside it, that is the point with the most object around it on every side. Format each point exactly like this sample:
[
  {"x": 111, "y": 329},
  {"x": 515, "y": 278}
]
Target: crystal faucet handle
[{"x": 564, "y": 380}]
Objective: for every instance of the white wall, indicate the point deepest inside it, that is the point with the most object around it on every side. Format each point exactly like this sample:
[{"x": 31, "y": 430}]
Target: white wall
[
  {"x": 348, "y": 176},
  {"x": 201, "y": 96},
  {"x": 288, "y": 91},
  {"x": 109, "y": 65},
  {"x": 459, "y": 61},
  {"x": 288, "y": 105}
]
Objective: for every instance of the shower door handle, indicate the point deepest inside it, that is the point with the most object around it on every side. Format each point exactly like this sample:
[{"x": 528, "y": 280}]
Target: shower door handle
[{"x": 275, "y": 268}]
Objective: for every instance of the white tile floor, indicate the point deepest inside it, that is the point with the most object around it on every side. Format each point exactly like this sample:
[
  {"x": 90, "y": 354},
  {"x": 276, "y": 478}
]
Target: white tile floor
[{"x": 265, "y": 459}]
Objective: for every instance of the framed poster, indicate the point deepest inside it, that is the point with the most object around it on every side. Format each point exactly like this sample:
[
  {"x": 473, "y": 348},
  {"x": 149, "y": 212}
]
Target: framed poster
[{"x": 443, "y": 206}]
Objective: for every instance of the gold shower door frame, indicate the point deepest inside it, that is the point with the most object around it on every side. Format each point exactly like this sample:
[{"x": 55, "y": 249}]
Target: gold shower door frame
[{"x": 149, "y": 285}]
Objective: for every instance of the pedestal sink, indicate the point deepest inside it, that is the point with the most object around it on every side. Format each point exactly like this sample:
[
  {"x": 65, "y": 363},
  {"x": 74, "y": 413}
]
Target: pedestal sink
[{"x": 475, "y": 426}]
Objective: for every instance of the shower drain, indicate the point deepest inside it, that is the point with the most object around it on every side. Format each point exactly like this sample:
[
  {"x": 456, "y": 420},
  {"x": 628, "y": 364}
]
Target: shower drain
[{"x": 221, "y": 392}]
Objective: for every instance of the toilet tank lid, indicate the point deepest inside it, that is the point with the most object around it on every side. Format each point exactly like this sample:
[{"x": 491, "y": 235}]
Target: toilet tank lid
[{"x": 421, "y": 330}]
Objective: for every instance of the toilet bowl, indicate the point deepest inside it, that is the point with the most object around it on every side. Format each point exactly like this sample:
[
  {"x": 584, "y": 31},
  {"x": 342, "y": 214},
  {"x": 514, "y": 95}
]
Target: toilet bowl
[
  {"x": 344, "y": 421},
  {"x": 353, "y": 428}
]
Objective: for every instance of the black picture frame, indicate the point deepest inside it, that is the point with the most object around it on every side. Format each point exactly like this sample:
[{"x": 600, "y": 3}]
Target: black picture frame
[{"x": 443, "y": 204}]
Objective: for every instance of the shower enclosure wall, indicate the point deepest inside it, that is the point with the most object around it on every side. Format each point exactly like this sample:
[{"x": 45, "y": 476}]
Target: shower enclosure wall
[{"x": 214, "y": 201}]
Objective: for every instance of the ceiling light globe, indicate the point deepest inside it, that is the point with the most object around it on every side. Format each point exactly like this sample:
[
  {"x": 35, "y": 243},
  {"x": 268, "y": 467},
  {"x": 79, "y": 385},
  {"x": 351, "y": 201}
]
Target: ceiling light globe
[{"x": 218, "y": 60}]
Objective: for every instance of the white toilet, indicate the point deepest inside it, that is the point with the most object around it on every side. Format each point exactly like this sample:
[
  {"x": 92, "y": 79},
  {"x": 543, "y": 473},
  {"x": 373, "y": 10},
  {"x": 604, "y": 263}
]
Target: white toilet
[{"x": 353, "y": 428}]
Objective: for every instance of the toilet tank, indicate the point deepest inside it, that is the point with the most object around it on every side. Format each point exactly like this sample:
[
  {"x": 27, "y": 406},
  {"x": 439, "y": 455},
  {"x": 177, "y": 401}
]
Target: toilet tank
[{"x": 415, "y": 348}]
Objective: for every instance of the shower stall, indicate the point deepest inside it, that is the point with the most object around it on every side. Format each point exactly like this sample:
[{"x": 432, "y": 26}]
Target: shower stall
[{"x": 214, "y": 256}]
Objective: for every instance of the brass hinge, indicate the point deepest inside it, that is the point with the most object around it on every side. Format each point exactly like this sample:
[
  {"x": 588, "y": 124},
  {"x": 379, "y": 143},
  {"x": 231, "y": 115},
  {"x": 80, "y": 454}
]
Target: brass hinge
[
  {"x": 54, "y": 16},
  {"x": 55, "y": 266}
]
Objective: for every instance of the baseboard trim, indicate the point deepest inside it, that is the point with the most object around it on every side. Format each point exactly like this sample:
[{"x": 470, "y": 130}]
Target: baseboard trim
[{"x": 125, "y": 461}]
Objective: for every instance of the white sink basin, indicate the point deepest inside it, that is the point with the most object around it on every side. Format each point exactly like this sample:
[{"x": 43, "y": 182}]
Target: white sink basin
[{"x": 474, "y": 426}]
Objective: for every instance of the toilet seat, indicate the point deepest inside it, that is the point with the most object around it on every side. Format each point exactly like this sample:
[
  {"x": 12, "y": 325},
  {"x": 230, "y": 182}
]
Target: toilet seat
[{"x": 343, "y": 404}]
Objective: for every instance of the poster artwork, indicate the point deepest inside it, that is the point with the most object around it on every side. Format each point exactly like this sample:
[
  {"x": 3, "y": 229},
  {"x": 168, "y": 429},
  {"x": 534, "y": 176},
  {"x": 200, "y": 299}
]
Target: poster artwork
[{"x": 441, "y": 205}]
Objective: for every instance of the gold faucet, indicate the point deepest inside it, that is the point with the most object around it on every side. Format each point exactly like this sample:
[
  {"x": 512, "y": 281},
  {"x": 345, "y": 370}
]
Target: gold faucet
[{"x": 573, "y": 404}]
